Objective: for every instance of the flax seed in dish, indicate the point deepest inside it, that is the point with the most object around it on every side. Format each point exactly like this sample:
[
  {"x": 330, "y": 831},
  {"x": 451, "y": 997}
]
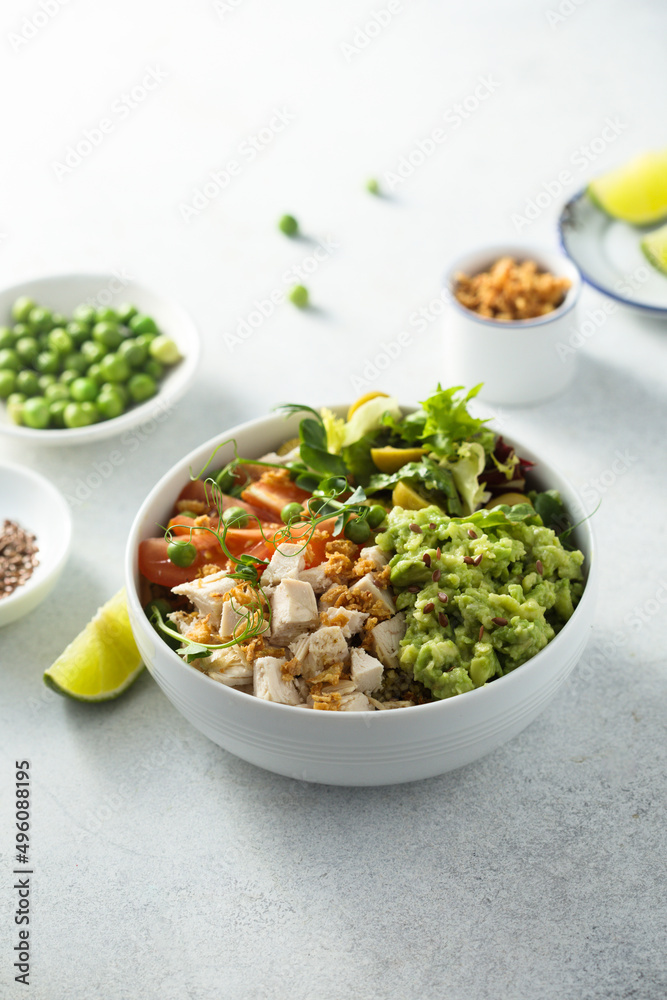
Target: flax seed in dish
[{"x": 511, "y": 291}]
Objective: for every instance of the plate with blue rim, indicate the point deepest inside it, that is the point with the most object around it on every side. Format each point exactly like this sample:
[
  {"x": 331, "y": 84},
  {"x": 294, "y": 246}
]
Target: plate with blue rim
[{"x": 609, "y": 256}]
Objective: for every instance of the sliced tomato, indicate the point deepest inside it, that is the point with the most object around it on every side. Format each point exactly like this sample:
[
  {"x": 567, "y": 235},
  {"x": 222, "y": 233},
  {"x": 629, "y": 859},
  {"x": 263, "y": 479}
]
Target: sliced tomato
[
  {"x": 274, "y": 496},
  {"x": 156, "y": 566}
]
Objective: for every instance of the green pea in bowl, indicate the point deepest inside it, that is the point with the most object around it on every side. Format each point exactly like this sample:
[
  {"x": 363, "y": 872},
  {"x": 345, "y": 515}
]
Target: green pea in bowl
[{"x": 77, "y": 364}]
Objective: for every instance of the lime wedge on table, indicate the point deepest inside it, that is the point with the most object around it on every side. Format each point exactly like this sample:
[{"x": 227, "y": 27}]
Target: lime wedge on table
[
  {"x": 102, "y": 661},
  {"x": 636, "y": 192},
  {"x": 654, "y": 246}
]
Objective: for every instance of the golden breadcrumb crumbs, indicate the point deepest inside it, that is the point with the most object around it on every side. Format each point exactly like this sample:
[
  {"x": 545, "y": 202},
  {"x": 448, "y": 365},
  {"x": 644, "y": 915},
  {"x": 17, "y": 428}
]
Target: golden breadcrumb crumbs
[
  {"x": 511, "y": 291},
  {"x": 196, "y": 506}
]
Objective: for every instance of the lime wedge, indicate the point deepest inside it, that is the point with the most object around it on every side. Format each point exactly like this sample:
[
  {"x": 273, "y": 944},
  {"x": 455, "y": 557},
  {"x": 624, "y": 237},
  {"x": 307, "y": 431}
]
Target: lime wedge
[
  {"x": 654, "y": 246},
  {"x": 367, "y": 416},
  {"x": 102, "y": 661},
  {"x": 636, "y": 192}
]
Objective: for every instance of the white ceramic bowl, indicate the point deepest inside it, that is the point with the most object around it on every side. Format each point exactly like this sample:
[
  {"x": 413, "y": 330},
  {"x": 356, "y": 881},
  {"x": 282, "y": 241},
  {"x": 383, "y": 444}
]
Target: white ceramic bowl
[
  {"x": 360, "y": 748},
  {"x": 34, "y": 503},
  {"x": 520, "y": 362},
  {"x": 62, "y": 293}
]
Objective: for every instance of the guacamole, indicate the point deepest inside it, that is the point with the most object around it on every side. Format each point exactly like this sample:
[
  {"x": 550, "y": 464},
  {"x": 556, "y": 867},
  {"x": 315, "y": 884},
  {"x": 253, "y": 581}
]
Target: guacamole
[{"x": 481, "y": 594}]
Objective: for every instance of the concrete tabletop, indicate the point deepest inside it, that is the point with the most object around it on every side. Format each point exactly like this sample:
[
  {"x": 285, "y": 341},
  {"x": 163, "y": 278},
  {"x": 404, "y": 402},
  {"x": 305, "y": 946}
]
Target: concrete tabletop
[{"x": 162, "y": 866}]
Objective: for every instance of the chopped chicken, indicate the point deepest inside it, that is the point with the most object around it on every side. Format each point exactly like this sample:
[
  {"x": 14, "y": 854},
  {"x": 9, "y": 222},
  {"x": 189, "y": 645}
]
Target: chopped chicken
[
  {"x": 321, "y": 649},
  {"x": 286, "y": 564},
  {"x": 317, "y": 577},
  {"x": 386, "y": 638},
  {"x": 228, "y": 666},
  {"x": 350, "y": 622},
  {"x": 230, "y": 619},
  {"x": 206, "y": 594},
  {"x": 374, "y": 555},
  {"x": 368, "y": 585},
  {"x": 269, "y": 683},
  {"x": 294, "y": 610},
  {"x": 366, "y": 671},
  {"x": 356, "y": 702}
]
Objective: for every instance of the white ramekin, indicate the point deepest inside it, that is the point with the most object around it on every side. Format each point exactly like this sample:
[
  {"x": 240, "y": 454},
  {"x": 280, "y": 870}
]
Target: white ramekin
[{"x": 521, "y": 362}]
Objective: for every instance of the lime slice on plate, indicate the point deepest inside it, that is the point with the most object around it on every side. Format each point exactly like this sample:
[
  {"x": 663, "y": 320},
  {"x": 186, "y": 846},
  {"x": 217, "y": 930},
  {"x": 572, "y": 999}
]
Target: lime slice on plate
[
  {"x": 654, "y": 246},
  {"x": 635, "y": 193},
  {"x": 102, "y": 661}
]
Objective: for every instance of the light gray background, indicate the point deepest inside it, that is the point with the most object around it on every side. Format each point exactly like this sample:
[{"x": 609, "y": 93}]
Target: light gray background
[{"x": 165, "y": 868}]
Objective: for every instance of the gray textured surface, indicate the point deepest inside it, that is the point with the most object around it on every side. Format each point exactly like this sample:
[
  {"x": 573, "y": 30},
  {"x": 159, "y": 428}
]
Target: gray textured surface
[{"x": 164, "y": 867}]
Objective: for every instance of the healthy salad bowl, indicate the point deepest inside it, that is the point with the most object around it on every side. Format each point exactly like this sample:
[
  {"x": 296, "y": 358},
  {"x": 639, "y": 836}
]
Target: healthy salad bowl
[{"x": 363, "y": 595}]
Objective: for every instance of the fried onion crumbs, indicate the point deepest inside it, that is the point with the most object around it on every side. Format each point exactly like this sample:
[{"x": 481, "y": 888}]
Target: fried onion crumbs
[
  {"x": 342, "y": 545},
  {"x": 511, "y": 291},
  {"x": 327, "y": 702},
  {"x": 208, "y": 569},
  {"x": 363, "y": 566},
  {"x": 196, "y": 506},
  {"x": 383, "y": 577},
  {"x": 339, "y": 596},
  {"x": 254, "y": 648},
  {"x": 202, "y": 631}
]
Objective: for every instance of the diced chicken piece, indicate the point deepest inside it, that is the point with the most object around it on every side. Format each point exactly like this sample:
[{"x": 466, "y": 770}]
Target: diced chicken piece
[
  {"x": 353, "y": 620},
  {"x": 273, "y": 458},
  {"x": 374, "y": 554},
  {"x": 285, "y": 564},
  {"x": 228, "y": 666},
  {"x": 293, "y": 611},
  {"x": 230, "y": 618},
  {"x": 386, "y": 637},
  {"x": 319, "y": 650},
  {"x": 367, "y": 583},
  {"x": 317, "y": 578},
  {"x": 366, "y": 671},
  {"x": 356, "y": 702},
  {"x": 269, "y": 683},
  {"x": 182, "y": 620},
  {"x": 206, "y": 594}
]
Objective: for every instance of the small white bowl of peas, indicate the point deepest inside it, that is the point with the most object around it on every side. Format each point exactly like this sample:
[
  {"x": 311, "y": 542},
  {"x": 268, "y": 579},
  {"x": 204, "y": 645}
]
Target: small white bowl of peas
[{"x": 88, "y": 356}]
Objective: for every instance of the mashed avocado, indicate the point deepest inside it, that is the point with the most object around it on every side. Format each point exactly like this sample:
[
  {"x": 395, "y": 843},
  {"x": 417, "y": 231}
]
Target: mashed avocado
[{"x": 481, "y": 594}]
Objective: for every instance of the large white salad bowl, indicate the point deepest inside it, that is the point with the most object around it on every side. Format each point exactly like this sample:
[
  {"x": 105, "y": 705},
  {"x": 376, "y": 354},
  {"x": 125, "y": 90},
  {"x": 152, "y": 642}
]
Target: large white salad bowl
[{"x": 356, "y": 748}]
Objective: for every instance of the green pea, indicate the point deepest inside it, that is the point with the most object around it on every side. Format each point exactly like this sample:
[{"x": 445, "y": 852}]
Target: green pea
[
  {"x": 135, "y": 354},
  {"x": 15, "y": 403},
  {"x": 376, "y": 515},
  {"x": 45, "y": 381},
  {"x": 94, "y": 371},
  {"x": 91, "y": 411},
  {"x": 299, "y": 296},
  {"x": 181, "y": 552},
  {"x": 92, "y": 352},
  {"x": 165, "y": 350},
  {"x": 291, "y": 512},
  {"x": 21, "y": 330},
  {"x": 42, "y": 340},
  {"x": 60, "y": 341},
  {"x": 193, "y": 515},
  {"x": 107, "y": 315},
  {"x": 47, "y": 362},
  {"x": 141, "y": 387},
  {"x": 10, "y": 359},
  {"x": 107, "y": 334},
  {"x": 224, "y": 480},
  {"x": 235, "y": 517},
  {"x": 27, "y": 381},
  {"x": 109, "y": 404},
  {"x": 85, "y": 314},
  {"x": 114, "y": 368},
  {"x": 67, "y": 377},
  {"x": 57, "y": 391},
  {"x": 77, "y": 415},
  {"x": 140, "y": 323},
  {"x": 36, "y": 413},
  {"x": 288, "y": 225},
  {"x": 83, "y": 390},
  {"x": 77, "y": 362},
  {"x": 7, "y": 337},
  {"x": 373, "y": 186},
  {"x": 57, "y": 409},
  {"x": 119, "y": 389},
  {"x": 357, "y": 530},
  {"x": 125, "y": 312},
  {"x": 146, "y": 339},
  {"x": 22, "y": 308},
  {"x": 39, "y": 318},
  {"x": 27, "y": 349},
  {"x": 78, "y": 332},
  {"x": 154, "y": 369},
  {"x": 58, "y": 319},
  {"x": 7, "y": 382}
]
